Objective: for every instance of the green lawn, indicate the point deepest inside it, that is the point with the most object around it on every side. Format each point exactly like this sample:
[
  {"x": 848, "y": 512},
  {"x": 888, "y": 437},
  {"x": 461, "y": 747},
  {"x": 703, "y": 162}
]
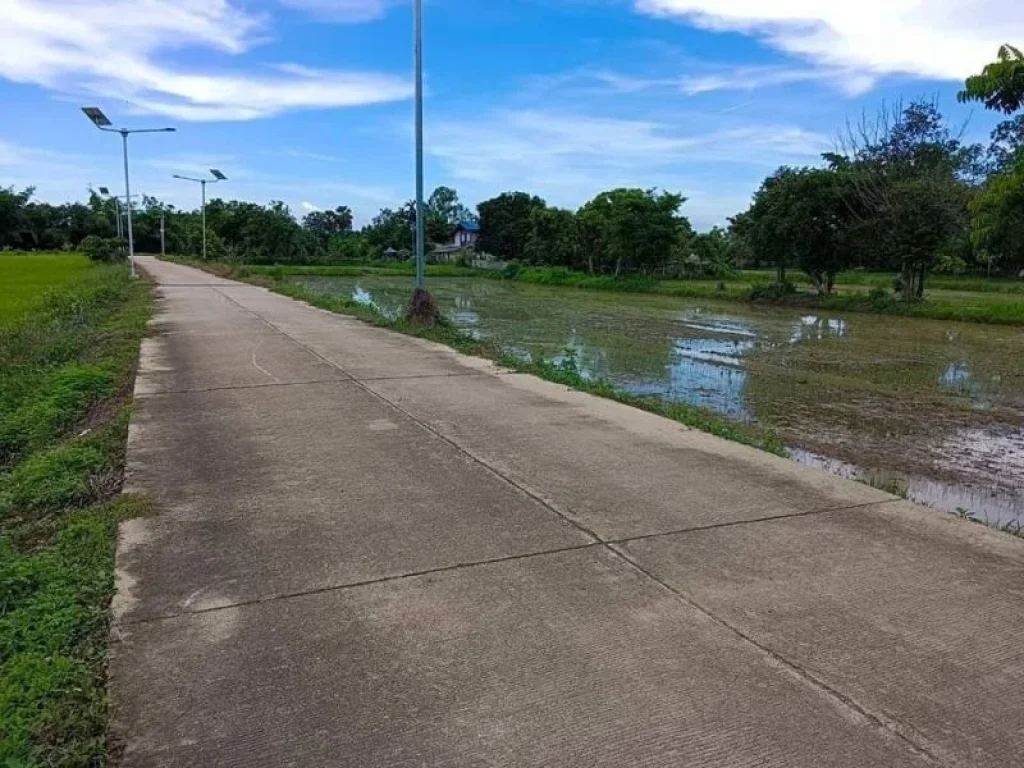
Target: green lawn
[
  {"x": 26, "y": 277},
  {"x": 69, "y": 339}
]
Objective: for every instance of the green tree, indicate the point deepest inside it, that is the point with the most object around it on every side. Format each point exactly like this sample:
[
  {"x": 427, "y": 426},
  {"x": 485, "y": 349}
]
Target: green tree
[
  {"x": 634, "y": 230},
  {"x": 392, "y": 228},
  {"x": 997, "y": 219},
  {"x": 14, "y": 229},
  {"x": 800, "y": 217},
  {"x": 328, "y": 224},
  {"x": 907, "y": 187},
  {"x": 1007, "y": 145},
  {"x": 443, "y": 214},
  {"x": 1001, "y": 84},
  {"x": 505, "y": 224},
  {"x": 552, "y": 238},
  {"x": 709, "y": 254}
]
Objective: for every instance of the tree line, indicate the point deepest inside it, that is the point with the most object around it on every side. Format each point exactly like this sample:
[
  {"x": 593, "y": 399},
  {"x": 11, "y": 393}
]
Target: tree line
[{"x": 902, "y": 192}]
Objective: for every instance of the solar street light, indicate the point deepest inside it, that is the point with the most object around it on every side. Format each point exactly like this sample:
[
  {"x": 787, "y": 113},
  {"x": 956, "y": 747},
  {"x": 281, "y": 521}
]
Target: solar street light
[
  {"x": 217, "y": 176},
  {"x": 100, "y": 120}
]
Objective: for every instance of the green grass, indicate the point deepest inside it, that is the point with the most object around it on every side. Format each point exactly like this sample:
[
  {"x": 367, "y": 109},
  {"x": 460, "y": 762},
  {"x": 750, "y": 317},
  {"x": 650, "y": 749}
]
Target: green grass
[
  {"x": 66, "y": 368},
  {"x": 564, "y": 372},
  {"x": 26, "y": 278}
]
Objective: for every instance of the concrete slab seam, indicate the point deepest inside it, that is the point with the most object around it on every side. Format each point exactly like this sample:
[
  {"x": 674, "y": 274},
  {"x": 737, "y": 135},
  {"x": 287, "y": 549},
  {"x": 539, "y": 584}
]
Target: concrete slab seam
[
  {"x": 751, "y": 521},
  {"x": 363, "y": 583},
  {"x": 908, "y": 736}
]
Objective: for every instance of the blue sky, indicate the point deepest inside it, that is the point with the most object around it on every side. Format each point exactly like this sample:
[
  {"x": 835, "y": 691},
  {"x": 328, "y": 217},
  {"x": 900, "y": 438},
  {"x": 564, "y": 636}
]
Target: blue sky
[{"x": 309, "y": 101}]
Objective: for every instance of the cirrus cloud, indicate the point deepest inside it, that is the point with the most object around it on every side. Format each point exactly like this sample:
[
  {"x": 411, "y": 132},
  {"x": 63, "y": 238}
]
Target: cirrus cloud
[{"x": 940, "y": 39}]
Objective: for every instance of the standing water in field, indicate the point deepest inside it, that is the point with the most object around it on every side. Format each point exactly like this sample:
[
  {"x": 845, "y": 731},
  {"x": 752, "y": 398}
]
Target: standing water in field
[{"x": 931, "y": 408}]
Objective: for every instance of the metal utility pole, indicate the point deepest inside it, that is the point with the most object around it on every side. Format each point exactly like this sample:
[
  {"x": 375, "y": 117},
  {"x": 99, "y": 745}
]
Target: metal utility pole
[
  {"x": 420, "y": 234},
  {"x": 217, "y": 176},
  {"x": 163, "y": 245},
  {"x": 101, "y": 121}
]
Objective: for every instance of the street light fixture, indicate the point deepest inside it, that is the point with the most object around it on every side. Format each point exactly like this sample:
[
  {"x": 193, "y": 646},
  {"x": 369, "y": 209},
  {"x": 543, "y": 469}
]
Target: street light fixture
[
  {"x": 100, "y": 121},
  {"x": 217, "y": 176},
  {"x": 117, "y": 210}
]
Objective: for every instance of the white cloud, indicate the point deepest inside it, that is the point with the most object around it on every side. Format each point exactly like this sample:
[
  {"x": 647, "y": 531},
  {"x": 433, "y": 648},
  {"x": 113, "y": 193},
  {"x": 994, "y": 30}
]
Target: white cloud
[
  {"x": 116, "y": 49},
  {"x": 942, "y": 39},
  {"x": 308, "y": 207},
  {"x": 531, "y": 145},
  {"x": 851, "y": 83},
  {"x": 568, "y": 158},
  {"x": 701, "y": 78}
]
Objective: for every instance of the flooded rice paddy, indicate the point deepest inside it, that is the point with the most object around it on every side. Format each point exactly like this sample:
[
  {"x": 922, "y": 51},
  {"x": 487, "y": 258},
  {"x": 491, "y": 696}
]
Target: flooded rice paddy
[{"x": 929, "y": 407}]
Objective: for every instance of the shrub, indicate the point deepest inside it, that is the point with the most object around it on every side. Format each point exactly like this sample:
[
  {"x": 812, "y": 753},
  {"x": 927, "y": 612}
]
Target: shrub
[
  {"x": 102, "y": 248},
  {"x": 771, "y": 291}
]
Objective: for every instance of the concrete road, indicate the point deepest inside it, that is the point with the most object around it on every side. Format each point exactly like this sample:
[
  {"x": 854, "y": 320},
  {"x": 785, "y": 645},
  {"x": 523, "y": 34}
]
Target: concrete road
[{"x": 368, "y": 550}]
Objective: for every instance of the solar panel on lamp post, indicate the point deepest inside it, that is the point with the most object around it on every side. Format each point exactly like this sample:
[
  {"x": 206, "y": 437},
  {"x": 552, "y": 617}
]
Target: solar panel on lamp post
[
  {"x": 100, "y": 120},
  {"x": 117, "y": 210},
  {"x": 217, "y": 176}
]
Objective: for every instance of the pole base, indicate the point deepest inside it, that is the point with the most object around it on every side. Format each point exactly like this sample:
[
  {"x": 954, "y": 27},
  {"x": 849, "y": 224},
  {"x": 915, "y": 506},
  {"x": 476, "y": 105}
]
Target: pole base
[{"x": 423, "y": 309}]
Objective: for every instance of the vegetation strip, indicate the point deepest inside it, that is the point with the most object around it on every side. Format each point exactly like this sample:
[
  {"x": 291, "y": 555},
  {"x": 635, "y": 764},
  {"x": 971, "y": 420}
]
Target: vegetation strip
[
  {"x": 67, "y": 365},
  {"x": 975, "y": 300},
  {"x": 564, "y": 372}
]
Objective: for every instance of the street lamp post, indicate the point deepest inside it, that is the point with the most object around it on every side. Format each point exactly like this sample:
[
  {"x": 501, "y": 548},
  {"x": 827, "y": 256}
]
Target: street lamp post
[
  {"x": 101, "y": 121},
  {"x": 217, "y": 176},
  {"x": 420, "y": 235},
  {"x": 163, "y": 246}
]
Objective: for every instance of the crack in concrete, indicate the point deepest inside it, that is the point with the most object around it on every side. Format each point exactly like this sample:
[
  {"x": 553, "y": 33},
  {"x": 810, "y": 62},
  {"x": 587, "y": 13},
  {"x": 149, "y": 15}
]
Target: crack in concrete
[{"x": 259, "y": 367}]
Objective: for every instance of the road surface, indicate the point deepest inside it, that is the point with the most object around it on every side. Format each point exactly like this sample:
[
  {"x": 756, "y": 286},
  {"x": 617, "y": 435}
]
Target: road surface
[{"x": 369, "y": 550}]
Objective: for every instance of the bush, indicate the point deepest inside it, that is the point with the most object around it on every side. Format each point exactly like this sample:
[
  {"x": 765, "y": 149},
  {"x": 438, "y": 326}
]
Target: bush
[
  {"x": 102, "y": 248},
  {"x": 771, "y": 291},
  {"x": 878, "y": 294}
]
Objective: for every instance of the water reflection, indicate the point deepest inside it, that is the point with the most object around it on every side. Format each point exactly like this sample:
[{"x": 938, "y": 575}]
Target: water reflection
[{"x": 812, "y": 327}]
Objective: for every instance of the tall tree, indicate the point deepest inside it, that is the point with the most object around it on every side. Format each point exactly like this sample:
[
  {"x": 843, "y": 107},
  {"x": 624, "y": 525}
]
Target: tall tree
[
  {"x": 1007, "y": 145},
  {"x": 636, "y": 230},
  {"x": 444, "y": 213},
  {"x": 505, "y": 224},
  {"x": 908, "y": 174},
  {"x": 997, "y": 219},
  {"x": 326, "y": 225},
  {"x": 392, "y": 228},
  {"x": 552, "y": 238}
]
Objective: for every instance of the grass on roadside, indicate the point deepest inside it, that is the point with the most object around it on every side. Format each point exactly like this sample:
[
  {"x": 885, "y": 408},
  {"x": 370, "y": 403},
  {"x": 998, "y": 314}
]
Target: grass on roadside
[{"x": 66, "y": 370}]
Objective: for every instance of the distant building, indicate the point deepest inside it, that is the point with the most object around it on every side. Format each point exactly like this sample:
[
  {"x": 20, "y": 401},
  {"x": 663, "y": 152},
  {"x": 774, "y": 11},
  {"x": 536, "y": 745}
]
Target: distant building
[
  {"x": 465, "y": 237},
  {"x": 466, "y": 234}
]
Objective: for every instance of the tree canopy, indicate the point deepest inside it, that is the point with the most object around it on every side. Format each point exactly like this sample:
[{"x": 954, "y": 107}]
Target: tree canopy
[{"x": 1000, "y": 85}]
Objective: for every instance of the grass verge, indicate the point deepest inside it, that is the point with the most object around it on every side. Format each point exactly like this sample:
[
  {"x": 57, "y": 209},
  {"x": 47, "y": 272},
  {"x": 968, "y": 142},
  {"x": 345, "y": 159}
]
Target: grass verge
[
  {"x": 564, "y": 372},
  {"x": 66, "y": 372}
]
